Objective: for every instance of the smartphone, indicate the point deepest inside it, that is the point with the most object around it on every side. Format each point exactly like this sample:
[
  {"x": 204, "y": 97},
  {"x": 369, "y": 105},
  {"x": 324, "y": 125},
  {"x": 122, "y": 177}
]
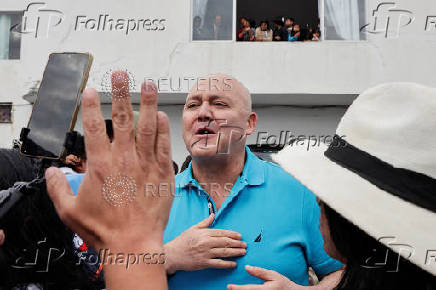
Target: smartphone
[{"x": 57, "y": 102}]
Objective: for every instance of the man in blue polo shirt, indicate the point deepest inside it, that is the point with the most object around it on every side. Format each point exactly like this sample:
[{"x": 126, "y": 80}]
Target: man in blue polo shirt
[{"x": 232, "y": 209}]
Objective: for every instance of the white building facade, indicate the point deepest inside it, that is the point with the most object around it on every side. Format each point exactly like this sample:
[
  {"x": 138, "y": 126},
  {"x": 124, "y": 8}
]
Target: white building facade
[{"x": 153, "y": 40}]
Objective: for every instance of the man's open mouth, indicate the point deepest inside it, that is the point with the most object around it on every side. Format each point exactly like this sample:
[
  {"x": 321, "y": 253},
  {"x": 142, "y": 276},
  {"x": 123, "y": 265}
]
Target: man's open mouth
[{"x": 204, "y": 131}]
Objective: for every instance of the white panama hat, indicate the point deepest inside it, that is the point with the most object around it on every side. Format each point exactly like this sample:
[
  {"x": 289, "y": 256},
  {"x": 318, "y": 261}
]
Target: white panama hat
[{"x": 381, "y": 175}]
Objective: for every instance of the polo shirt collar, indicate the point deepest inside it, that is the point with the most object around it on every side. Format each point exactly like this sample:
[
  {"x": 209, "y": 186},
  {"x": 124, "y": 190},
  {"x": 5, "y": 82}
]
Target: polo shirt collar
[
  {"x": 254, "y": 171},
  {"x": 252, "y": 174},
  {"x": 186, "y": 177}
]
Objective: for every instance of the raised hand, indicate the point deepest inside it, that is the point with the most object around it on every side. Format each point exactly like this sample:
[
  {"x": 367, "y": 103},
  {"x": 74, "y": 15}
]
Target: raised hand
[{"x": 112, "y": 209}]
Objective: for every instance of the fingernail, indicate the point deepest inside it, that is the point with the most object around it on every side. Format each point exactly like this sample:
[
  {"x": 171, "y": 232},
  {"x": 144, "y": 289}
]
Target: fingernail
[{"x": 149, "y": 87}]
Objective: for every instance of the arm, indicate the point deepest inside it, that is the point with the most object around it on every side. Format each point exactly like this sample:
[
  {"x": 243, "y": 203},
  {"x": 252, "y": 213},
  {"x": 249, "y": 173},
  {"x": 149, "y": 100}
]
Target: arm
[
  {"x": 112, "y": 211},
  {"x": 275, "y": 281},
  {"x": 329, "y": 281},
  {"x": 241, "y": 34},
  {"x": 137, "y": 276},
  {"x": 252, "y": 35}
]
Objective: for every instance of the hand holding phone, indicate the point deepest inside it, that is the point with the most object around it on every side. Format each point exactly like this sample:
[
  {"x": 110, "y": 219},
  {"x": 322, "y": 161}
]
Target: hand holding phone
[{"x": 55, "y": 109}]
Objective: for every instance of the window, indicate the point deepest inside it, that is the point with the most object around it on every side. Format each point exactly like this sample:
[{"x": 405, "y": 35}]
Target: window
[
  {"x": 10, "y": 39},
  {"x": 212, "y": 19},
  {"x": 343, "y": 19},
  {"x": 277, "y": 20},
  {"x": 5, "y": 112},
  {"x": 297, "y": 20}
]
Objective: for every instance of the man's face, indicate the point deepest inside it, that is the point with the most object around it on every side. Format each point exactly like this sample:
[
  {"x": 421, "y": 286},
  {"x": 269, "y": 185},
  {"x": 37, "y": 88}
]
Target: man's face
[
  {"x": 263, "y": 26},
  {"x": 218, "y": 20},
  {"x": 216, "y": 119},
  {"x": 288, "y": 22}
]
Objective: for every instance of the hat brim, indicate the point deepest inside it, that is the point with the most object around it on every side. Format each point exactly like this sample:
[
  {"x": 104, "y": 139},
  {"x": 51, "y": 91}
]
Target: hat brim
[{"x": 402, "y": 226}]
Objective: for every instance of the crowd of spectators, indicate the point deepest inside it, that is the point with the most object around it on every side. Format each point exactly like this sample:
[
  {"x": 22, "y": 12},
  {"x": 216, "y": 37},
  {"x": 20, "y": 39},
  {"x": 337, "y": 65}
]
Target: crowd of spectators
[
  {"x": 281, "y": 31},
  {"x": 284, "y": 29}
]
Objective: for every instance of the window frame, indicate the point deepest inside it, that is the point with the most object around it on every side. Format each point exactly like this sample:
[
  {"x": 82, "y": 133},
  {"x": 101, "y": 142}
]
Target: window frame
[
  {"x": 20, "y": 14},
  {"x": 191, "y": 25},
  {"x": 11, "y": 105},
  {"x": 320, "y": 14},
  {"x": 322, "y": 25}
]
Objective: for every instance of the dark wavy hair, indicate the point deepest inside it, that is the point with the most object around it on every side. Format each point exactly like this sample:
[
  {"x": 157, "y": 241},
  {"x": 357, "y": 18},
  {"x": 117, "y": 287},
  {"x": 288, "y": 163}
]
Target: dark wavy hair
[
  {"x": 361, "y": 251},
  {"x": 34, "y": 232}
]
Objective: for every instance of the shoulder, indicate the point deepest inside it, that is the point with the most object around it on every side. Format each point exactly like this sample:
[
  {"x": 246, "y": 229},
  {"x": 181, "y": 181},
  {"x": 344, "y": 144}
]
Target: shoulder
[
  {"x": 273, "y": 172},
  {"x": 277, "y": 179},
  {"x": 181, "y": 176}
]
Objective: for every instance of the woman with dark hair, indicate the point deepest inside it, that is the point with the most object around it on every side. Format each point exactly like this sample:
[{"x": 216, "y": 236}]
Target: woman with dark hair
[
  {"x": 370, "y": 264},
  {"x": 375, "y": 184},
  {"x": 197, "y": 31},
  {"x": 263, "y": 32},
  {"x": 376, "y": 188},
  {"x": 295, "y": 34}
]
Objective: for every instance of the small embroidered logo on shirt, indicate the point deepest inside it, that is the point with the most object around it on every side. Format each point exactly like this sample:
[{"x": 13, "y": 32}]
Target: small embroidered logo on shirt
[{"x": 259, "y": 238}]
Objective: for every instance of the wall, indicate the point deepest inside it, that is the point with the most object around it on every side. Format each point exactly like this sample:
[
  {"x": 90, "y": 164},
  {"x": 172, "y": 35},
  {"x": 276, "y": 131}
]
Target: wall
[
  {"x": 272, "y": 119},
  {"x": 324, "y": 73}
]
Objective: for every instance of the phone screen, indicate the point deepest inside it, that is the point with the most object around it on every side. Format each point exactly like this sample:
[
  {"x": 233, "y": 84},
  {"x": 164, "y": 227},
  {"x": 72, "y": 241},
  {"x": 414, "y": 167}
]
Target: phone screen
[{"x": 55, "y": 107}]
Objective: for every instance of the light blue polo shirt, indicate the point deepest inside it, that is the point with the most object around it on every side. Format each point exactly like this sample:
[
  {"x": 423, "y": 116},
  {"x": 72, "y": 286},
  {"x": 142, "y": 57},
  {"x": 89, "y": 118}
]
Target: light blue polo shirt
[
  {"x": 276, "y": 215},
  {"x": 75, "y": 180}
]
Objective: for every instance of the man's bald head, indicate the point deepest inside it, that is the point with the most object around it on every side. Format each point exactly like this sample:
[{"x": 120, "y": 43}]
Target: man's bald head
[{"x": 226, "y": 84}]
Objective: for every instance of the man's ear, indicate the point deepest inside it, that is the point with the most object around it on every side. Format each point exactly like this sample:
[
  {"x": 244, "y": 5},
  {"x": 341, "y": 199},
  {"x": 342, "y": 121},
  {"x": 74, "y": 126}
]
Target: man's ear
[{"x": 252, "y": 123}]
